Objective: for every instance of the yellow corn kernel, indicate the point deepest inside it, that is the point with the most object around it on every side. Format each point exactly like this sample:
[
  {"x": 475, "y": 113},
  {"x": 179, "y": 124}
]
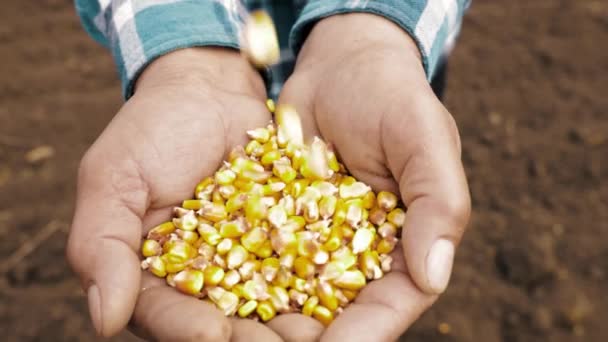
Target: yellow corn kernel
[
  {"x": 298, "y": 187},
  {"x": 289, "y": 126},
  {"x": 213, "y": 275},
  {"x": 284, "y": 171},
  {"x": 377, "y": 216},
  {"x": 349, "y": 294},
  {"x": 288, "y": 203},
  {"x": 200, "y": 187},
  {"x": 297, "y": 297},
  {"x": 216, "y": 197},
  {"x": 283, "y": 278},
  {"x": 347, "y": 232},
  {"x": 187, "y": 222},
  {"x": 169, "y": 279},
  {"x": 369, "y": 264},
  {"x": 191, "y": 204},
  {"x": 387, "y": 201},
  {"x": 310, "y": 305},
  {"x": 327, "y": 206},
  {"x": 260, "y": 135},
  {"x": 387, "y": 229},
  {"x": 225, "y": 177},
  {"x": 283, "y": 241},
  {"x": 248, "y": 268},
  {"x": 287, "y": 259},
  {"x": 396, "y": 217},
  {"x": 188, "y": 236},
  {"x": 232, "y": 229},
  {"x": 340, "y": 213},
  {"x": 254, "y": 148},
  {"x": 228, "y": 303},
  {"x": 294, "y": 224},
  {"x": 327, "y": 297},
  {"x": 315, "y": 164},
  {"x": 351, "y": 280},
  {"x": 362, "y": 240},
  {"x": 321, "y": 229},
  {"x": 173, "y": 267},
  {"x": 341, "y": 298},
  {"x": 265, "y": 251},
  {"x": 304, "y": 267},
  {"x": 248, "y": 308},
  {"x": 354, "y": 212},
  {"x": 227, "y": 191},
  {"x": 219, "y": 261},
  {"x": 321, "y": 257},
  {"x": 270, "y": 268},
  {"x": 348, "y": 180},
  {"x": 369, "y": 200},
  {"x": 298, "y": 284},
  {"x": 354, "y": 190},
  {"x": 189, "y": 281},
  {"x": 279, "y": 298},
  {"x": 209, "y": 234},
  {"x": 151, "y": 248},
  {"x": 311, "y": 211},
  {"x": 236, "y": 202},
  {"x": 207, "y": 251},
  {"x": 385, "y": 246},
  {"x": 272, "y": 189},
  {"x": 332, "y": 161},
  {"x": 333, "y": 243},
  {"x": 231, "y": 278},
  {"x": 161, "y": 231},
  {"x": 224, "y": 246},
  {"x": 323, "y": 315},
  {"x": 178, "y": 251},
  {"x": 307, "y": 244},
  {"x": 385, "y": 262},
  {"x": 311, "y": 286},
  {"x": 332, "y": 270},
  {"x": 277, "y": 216},
  {"x": 345, "y": 256},
  {"x": 250, "y": 290},
  {"x": 270, "y": 105},
  {"x": 199, "y": 263},
  {"x": 297, "y": 156},
  {"x": 254, "y": 239},
  {"x": 213, "y": 212},
  {"x": 266, "y": 311},
  {"x": 324, "y": 188},
  {"x": 237, "y": 256},
  {"x": 270, "y": 157},
  {"x": 156, "y": 265},
  {"x": 255, "y": 209}
]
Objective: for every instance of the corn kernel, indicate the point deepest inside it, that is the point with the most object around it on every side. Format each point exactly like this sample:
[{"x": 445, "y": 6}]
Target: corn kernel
[
  {"x": 341, "y": 298},
  {"x": 254, "y": 148},
  {"x": 187, "y": 222},
  {"x": 283, "y": 241},
  {"x": 362, "y": 240},
  {"x": 177, "y": 251},
  {"x": 304, "y": 267},
  {"x": 255, "y": 209},
  {"x": 396, "y": 217},
  {"x": 323, "y": 315},
  {"x": 289, "y": 126},
  {"x": 202, "y": 185},
  {"x": 209, "y": 234},
  {"x": 270, "y": 157},
  {"x": 327, "y": 206},
  {"x": 270, "y": 268},
  {"x": 206, "y": 251},
  {"x": 377, "y": 216},
  {"x": 332, "y": 270},
  {"x": 237, "y": 256},
  {"x": 294, "y": 224},
  {"x": 332, "y": 161},
  {"x": 224, "y": 246},
  {"x": 297, "y": 187},
  {"x": 284, "y": 171},
  {"x": 231, "y": 278},
  {"x": 351, "y": 280},
  {"x": 156, "y": 265},
  {"x": 387, "y": 201},
  {"x": 277, "y": 216},
  {"x": 270, "y": 105},
  {"x": 213, "y": 212},
  {"x": 288, "y": 203},
  {"x": 247, "y": 269},
  {"x": 386, "y": 262},
  {"x": 151, "y": 248},
  {"x": 369, "y": 200},
  {"x": 283, "y": 278},
  {"x": 279, "y": 298},
  {"x": 228, "y": 303},
  {"x": 315, "y": 163},
  {"x": 232, "y": 229},
  {"x": 193, "y": 204},
  {"x": 260, "y": 135},
  {"x": 266, "y": 311},
  {"x": 369, "y": 264},
  {"x": 173, "y": 267},
  {"x": 265, "y": 251},
  {"x": 345, "y": 256},
  {"x": 297, "y": 297},
  {"x": 298, "y": 284},
  {"x": 236, "y": 202},
  {"x": 327, "y": 297},
  {"x": 227, "y": 191},
  {"x": 310, "y": 305},
  {"x": 248, "y": 308},
  {"x": 254, "y": 239},
  {"x": 213, "y": 275},
  {"x": 387, "y": 230},
  {"x": 189, "y": 281},
  {"x": 188, "y": 236},
  {"x": 354, "y": 190},
  {"x": 385, "y": 246},
  {"x": 354, "y": 212}
]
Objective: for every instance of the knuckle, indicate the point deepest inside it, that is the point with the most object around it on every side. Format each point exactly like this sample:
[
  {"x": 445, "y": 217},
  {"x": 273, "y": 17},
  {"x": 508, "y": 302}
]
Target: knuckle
[{"x": 458, "y": 210}]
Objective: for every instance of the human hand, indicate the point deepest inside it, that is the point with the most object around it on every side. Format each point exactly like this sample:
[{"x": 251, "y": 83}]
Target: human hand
[
  {"x": 365, "y": 92},
  {"x": 190, "y": 108}
]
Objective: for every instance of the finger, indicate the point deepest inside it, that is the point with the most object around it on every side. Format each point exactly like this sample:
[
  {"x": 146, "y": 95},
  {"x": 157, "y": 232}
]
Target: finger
[
  {"x": 103, "y": 240},
  {"x": 247, "y": 330},
  {"x": 164, "y": 314},
  {"x": 298, "y": 93},
  {"x": 424, "y": 157},
  {"x": 296, "y": 327}
]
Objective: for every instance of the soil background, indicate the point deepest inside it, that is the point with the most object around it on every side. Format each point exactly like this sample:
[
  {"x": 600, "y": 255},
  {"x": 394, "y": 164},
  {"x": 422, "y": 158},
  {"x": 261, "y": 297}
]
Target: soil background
[{"x": 527, "y": 85}]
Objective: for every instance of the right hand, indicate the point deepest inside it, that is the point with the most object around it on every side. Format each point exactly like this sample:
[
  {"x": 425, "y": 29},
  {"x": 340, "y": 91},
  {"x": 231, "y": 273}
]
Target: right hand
[{"x": 190, "y": 108}]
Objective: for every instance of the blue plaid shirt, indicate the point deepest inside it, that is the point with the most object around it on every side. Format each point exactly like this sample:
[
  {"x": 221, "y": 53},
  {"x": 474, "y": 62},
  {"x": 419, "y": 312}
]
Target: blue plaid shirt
[{"x": 138, "y": 31}]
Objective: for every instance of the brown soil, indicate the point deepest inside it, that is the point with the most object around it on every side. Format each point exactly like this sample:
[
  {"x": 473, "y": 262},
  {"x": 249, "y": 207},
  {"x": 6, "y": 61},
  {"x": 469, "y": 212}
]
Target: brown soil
[{"x": 525, "y": 85}]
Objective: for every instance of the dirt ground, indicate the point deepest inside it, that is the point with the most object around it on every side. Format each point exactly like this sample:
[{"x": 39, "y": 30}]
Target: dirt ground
[{"x": 527, "y": 85}]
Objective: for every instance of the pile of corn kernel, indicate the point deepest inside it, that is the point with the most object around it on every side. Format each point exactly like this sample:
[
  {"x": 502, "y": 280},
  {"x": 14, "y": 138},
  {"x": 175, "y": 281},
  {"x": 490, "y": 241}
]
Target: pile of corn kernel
[{"x": 281, "y": 227}]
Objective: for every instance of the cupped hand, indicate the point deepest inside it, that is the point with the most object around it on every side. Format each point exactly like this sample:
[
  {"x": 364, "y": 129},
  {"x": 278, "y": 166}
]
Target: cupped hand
[
  {"x": 365, "y": 92},
  {"x": 190, "y": 108}
]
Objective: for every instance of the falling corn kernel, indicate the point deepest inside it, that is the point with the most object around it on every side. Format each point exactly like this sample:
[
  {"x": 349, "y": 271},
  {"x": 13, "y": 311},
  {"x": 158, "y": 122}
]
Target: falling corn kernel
[
  {"x": 260, "y": 41},
  {"x": 280, "y": 227}
]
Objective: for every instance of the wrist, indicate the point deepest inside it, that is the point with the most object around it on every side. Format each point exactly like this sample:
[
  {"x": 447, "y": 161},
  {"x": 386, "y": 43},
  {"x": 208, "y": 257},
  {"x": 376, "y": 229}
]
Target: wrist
[
  {"x": 344, "y": 35},
  {"x": 203, "y": 68}
]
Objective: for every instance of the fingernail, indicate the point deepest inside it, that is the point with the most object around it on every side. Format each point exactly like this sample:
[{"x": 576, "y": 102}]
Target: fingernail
[
  {"x": 439, "y": 264},
  {"x": 95, "y": 307}
]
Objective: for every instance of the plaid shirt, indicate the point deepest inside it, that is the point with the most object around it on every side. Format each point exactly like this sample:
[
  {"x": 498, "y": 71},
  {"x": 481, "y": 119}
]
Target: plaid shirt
[{"x": 138, "y": 31}]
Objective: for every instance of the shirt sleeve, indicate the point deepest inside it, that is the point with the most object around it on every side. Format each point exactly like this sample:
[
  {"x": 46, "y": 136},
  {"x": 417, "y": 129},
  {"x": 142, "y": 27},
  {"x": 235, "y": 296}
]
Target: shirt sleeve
[
  {"x": 433, "y": 24},
  {"x": 138, "y": 31}
]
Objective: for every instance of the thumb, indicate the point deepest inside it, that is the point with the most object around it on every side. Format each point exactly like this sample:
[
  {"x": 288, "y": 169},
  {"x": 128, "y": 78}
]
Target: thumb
[
  {"x": 423, "y": 155},
  {"x": 104, "y": 238}
]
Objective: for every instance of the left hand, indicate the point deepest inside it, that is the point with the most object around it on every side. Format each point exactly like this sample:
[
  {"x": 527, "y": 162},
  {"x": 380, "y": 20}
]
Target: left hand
[{"x": 359, "y": 83}]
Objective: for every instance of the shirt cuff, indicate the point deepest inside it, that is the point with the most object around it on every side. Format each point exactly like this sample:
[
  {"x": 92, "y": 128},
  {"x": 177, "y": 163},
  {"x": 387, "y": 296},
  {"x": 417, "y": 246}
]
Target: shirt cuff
[
  {"x": 137, "y": 36},
  {"x": 432, "y": 24}
]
